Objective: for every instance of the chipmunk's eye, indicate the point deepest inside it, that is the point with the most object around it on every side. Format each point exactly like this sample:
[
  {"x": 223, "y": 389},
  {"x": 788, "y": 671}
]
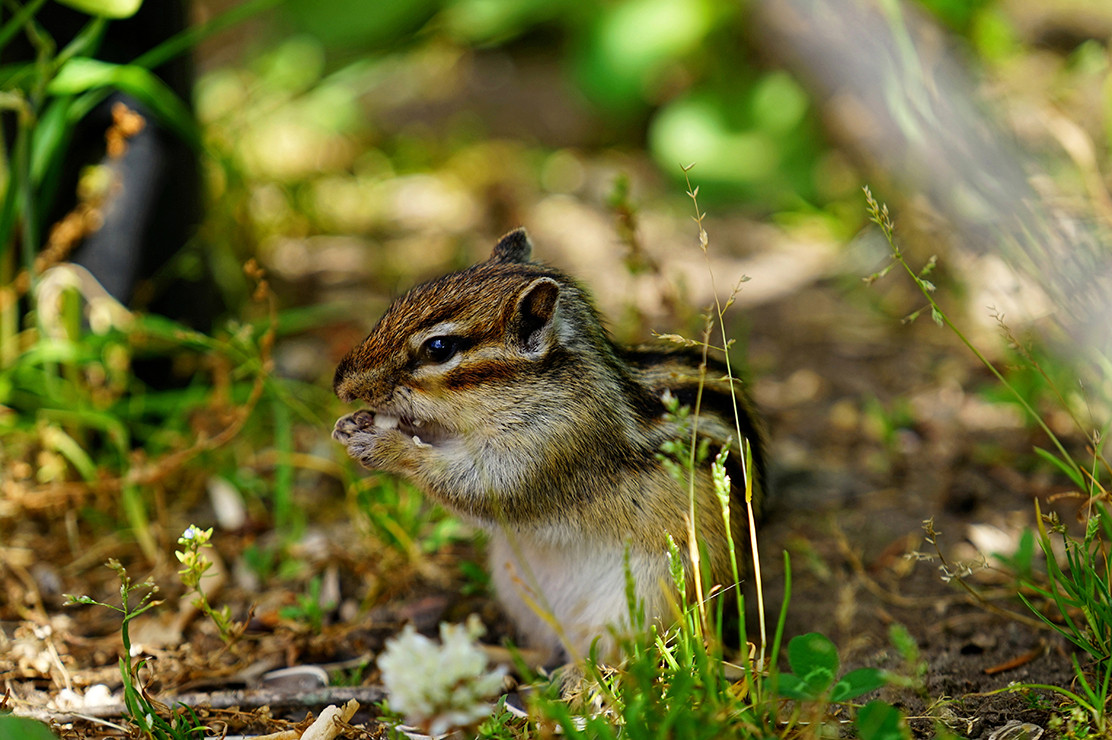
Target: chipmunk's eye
[{"x": 440, "y": 349}]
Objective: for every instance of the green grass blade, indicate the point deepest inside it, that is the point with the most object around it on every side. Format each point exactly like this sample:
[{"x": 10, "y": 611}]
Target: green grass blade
[
  {"x": 778, "y": 635},
  {"x": 285, "y": 519},
  {"x": 1070, "y": 634},
  {"x": 65, "y": 445},
  {"x": 136, "y": 513},
  {"x": 18, "y": 21},
  {"x": 1069, "y": 470},
  {"x": 85, "y": 43},
  {"x": 83, "y": 74},
  {"x": 50, "y": 136},
  {"x": 190, "y": 37},
  {"x": 16, "y": 75}
]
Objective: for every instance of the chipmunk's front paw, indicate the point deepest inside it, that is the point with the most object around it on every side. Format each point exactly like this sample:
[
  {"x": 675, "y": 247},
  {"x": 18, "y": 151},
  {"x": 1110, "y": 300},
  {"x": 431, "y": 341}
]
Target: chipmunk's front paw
[
  {"x": 352, "y": 424},
  {"x": 374, "y": 443}
]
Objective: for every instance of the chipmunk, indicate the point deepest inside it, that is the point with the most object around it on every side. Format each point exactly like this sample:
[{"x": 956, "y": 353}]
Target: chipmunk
[{"x": 499, "y": 393}]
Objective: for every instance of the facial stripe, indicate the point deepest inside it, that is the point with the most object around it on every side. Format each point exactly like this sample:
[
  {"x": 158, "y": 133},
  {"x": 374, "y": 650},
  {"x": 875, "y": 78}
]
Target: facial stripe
[{"x": 482, "y": 371}]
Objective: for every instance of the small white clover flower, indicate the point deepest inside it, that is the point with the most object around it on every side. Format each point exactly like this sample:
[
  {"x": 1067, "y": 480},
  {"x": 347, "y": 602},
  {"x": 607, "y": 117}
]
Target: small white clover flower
[{"x": 440, "y": 687}]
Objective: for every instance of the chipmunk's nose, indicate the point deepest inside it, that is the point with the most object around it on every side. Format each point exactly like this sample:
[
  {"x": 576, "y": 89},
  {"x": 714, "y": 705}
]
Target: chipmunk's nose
[
  {"x": 354, "y": 380},
  {"x": 353, "y": 385},
  {"x": 367, "y": 376},
  {"x": 344, "y": 390}
]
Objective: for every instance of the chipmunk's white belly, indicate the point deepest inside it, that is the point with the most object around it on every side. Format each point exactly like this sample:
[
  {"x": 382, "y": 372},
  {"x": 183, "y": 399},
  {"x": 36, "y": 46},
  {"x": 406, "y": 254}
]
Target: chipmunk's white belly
[{"x": 568, "y": 594}]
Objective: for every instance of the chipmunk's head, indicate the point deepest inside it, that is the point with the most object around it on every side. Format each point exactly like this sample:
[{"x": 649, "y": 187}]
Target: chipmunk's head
[{"x": 498, "y": 322}]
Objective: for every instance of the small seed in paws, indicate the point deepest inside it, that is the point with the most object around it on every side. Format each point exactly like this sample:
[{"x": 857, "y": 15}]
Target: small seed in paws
[{"x": 385, "y": 421}]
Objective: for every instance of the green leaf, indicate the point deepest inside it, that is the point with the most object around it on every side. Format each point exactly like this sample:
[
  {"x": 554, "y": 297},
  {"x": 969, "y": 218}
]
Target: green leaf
[
  {"x": 819, "y": 679},
  {"x": 794, "y": 687},
  {"x": 81, "y": 416},
  {"x": 856, "y": 683},
  {"x": 778, "y": 103},
  {"x": 1069, "y": 469},
  {"x": 85, "y": 43},
  {"x": 148, "y": 327},
  {"x": 356, "y": 24},
  {"x": 482, "y": 22},
  {"x": 24, "y": 728},
  {"x": 880, "y": 721},
  {"x": 105, "y": 8},
  {"x": 619, "y": 59},
  {"x": 53, "y": 350},
  {"x": 82, "y": 74},
  {"x": 813, "y": 657},
  {"x": 49, "y": 137},
  {"x": 15, "y": 75},
  {"x": 18, "y": 20}
]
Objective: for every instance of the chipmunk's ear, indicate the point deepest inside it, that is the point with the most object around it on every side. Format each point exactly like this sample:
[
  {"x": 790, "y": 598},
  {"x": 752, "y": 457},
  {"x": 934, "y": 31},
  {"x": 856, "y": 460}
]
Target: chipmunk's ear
[
  {"x": 532, "y": 323},
  {"x": 513, "y": 247}
]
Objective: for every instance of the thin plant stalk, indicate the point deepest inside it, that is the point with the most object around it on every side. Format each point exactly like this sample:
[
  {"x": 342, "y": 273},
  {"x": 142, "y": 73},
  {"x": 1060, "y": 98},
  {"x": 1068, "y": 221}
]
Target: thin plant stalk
[
  {"x": 702, "y": 626},
  {"x": 746, "y": 448},
  {"x": 878, "y": 214}
]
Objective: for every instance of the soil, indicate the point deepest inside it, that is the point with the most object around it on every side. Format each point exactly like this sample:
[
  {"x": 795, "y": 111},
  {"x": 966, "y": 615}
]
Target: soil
[
  {"x": 875, "y": 428},
  {"x": 853, "y": 504}
]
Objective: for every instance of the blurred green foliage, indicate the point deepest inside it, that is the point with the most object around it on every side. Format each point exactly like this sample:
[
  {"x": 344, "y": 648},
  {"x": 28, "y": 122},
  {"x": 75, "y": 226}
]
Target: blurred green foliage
[
  {"x": 959, "y": 15},
  {"x": 673, "y": 75},
  {"x": 680, "y": 77},
  {"x": 105, "y": 8},
  {"x": 77, "y": 413},
  {"x": 24, "y": 728},
  {"x": 346, "y": 23},
  {"x": 622, "y": 55}
]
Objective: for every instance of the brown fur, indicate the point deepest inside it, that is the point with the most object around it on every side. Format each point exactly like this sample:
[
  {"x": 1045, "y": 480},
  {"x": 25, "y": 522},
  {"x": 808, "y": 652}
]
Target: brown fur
[{"x": 543, "y": 431}]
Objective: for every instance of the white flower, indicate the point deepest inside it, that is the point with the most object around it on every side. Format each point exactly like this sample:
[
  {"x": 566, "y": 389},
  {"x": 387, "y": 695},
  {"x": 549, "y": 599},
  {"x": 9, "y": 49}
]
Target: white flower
[
  {"x": 193, "y": 532},
  {"x": 97, "y": 694},
  {"x": 68, "y": 699},
  {"x": 439, "y": 687}
]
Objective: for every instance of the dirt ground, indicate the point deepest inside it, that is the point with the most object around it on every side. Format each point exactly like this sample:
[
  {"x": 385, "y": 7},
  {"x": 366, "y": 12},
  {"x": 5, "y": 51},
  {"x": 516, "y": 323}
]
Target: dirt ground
[
  {"x": 875, "y": 427},
  {"x": 851, "y": 508}
]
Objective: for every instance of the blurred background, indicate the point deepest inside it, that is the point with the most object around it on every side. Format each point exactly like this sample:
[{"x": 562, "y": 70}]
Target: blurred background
[
  {"x": 344, "y": 150},
  {"x": 397, "y": 140}
]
